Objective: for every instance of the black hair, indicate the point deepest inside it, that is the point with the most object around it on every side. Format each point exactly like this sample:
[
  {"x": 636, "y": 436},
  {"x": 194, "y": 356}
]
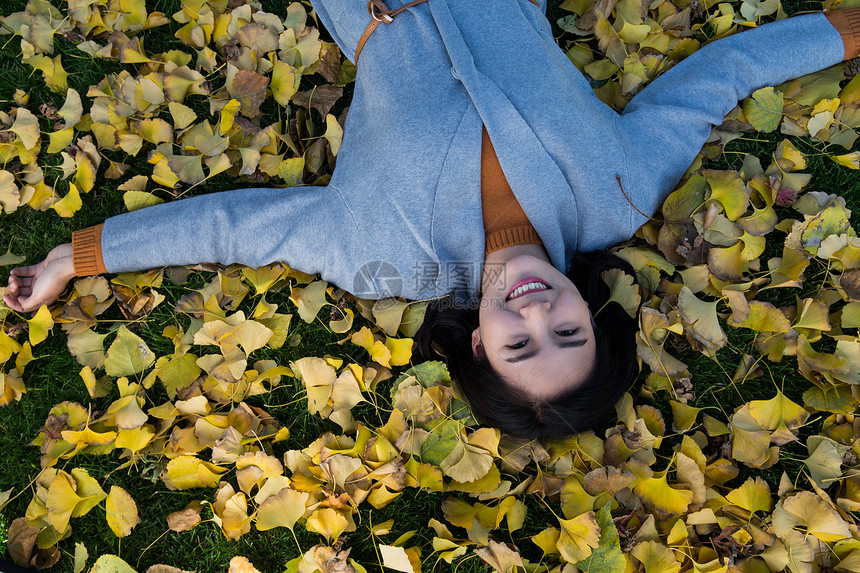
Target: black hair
[{"x": 447, "y": 331}]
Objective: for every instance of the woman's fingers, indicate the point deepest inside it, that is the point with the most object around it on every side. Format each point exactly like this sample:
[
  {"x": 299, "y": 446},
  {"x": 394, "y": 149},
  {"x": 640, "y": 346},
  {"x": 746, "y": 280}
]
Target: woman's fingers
[
  {"x": 25, "y": 271},
  {"x": 20, "y": 287},
  {"x": 19, "y": 295},
  {"x": 13, "y": 303},
  {"x": 24, "y": 302}
]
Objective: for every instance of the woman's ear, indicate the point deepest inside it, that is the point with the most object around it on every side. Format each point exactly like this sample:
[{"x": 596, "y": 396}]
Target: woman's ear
[{"x": 477, "y": 345}]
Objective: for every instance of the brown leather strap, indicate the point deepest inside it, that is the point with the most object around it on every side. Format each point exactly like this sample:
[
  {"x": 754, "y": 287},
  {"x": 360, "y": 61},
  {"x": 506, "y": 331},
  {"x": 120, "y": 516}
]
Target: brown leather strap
[
  {"x": 367, "y": 32},
  {"x": 379, "y": 12}
]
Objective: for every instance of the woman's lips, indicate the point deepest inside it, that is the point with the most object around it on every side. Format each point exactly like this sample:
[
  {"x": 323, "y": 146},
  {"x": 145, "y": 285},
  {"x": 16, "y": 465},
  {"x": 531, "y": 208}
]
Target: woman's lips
[{"x": 525, "y": 282}]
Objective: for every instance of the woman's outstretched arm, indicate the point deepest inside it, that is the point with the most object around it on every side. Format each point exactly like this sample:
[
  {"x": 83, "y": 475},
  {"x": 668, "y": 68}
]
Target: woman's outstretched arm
[
  {"x": 664, "y": 126},
  {"x": 310, "y": 228}
]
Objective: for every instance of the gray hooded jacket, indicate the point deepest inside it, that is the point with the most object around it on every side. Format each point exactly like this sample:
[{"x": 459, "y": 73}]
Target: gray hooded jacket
[{"x": 402, "y": 213}]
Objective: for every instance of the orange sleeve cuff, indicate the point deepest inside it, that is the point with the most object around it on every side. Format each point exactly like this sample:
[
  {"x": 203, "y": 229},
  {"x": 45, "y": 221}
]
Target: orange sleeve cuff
[
  {"x": 847, "y": 23},
  {"x": 87, "y": 251}
]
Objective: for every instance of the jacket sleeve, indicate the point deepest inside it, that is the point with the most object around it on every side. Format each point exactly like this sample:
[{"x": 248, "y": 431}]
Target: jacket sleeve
[
  {"x": 309, "y": 228},
  {"x": 665, "y": 125}
]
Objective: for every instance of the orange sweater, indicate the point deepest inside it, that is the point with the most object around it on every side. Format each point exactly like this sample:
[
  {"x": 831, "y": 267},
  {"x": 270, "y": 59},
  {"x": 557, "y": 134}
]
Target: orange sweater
[{"x": 505, "y": 222}]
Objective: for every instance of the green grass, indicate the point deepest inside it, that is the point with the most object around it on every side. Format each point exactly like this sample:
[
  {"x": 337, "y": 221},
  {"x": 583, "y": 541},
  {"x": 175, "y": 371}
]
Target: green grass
[{"x": 53, "y": 377}]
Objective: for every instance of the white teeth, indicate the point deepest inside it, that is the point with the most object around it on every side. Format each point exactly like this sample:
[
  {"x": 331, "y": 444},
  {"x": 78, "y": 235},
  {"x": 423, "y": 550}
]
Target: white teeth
[{"x": 527, "y": 287}]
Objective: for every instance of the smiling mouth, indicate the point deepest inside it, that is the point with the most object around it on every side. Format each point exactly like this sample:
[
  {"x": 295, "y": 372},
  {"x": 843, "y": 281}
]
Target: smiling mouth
[{"x": 526, "y": 286}]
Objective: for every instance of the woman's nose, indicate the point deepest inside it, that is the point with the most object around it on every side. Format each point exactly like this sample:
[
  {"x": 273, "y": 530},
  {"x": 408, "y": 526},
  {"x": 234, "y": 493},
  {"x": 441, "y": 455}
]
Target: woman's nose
[{"x": 535, "y": 306}]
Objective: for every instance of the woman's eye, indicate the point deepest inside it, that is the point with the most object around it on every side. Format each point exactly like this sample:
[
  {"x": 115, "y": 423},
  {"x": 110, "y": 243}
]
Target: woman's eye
[
  {"x": 518, "y": 345},
  {"x": 567, "y": 332}
]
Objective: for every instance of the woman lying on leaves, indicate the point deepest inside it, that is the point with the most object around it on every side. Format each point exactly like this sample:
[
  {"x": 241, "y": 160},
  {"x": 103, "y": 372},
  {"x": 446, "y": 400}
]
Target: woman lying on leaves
[{"x": 479, "y": 170}]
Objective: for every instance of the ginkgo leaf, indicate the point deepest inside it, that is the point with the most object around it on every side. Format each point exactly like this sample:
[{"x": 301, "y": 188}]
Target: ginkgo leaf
[
  {"x": 26, "y": 127},
  {"x": 155, "y": 131},
  {"x": 466, "y": 462},
  {"x": 182, "y": 115},
  {"x": 187, "y": 168},
  {"x": 88, "y": 348},
  {"x": 240, "y": 564},
  {"x": 547, "y": 540},
  {"x": 578, "y": 537},
  {"x": 397, "y": 558},
  {"x": 177, "y": 371},
  {"x": 135, "y": 439},
  {"x": 729, "y": 189},
  {"x": 285, "y": 82},
  {"x": 81, "y": 557},
  {"x": 263, "y": 278},
  {"x": 283, "y": 509},
  {"x": 622, "y": 290},
  {"x": 333, "y": 134},
  {"x": 60, "y": 140},
  {"x": 121, "y": 512},
  {"x": 310, "y": 300},
  {"x": 318, "y": 377},
  {"x": 87, "y": 437},
  {"x": 387, "y": 314},
  {"x": 186, "y": 472},
  {"x": 500, "y": 557},
  {"x": 753, "y": 495},
  {"x": 88, "y": 489},
  {"x": 700, "y": 320},
  {"x": 127, "y": 412},
  {"x": 40, "y": 325},
  {"x": 607, "y": 556},
  {"x": 327, "y": 522},
  {"x": 378, "y": 351},
  {"x": 61, "y": 501},
  {"x": 85, "y": 174},
  {"x": 807, "y": 510},
  {"x": 344, "y": 324},
  {"x": 825, "y": 460},
  {"x": 135, "y": 200},
  {"x": 250, "y": 89},
  {"x": 111, "y": 564},
  {"x": 185, "y": 519},
  {"x": 10, "y": 195},
  {"x": 656, "y": 558},
  {"x": 128, "y": 354},
  {"x": 849, "y": 160},
  {"x": 762, "y": 317},
  {"x": 660, "y": 497},
  {"x": 228, "y": 114},
  {"x": 400, "y": 349},
  {"x": 763, "y": 109},
  {"x": 8, "y": 258},
  {"x": 683, "y": 415},
  {"x": 778, "y": 413},
  {"x": 70, "y": 204}
]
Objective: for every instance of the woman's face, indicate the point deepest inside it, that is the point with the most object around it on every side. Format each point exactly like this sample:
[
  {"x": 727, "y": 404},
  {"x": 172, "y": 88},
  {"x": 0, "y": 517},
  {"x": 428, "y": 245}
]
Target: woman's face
[{"x": 535, "y": 329}]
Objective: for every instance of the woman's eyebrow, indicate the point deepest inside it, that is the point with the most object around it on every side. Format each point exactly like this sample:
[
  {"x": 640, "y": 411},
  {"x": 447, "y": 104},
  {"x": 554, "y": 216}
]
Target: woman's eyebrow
[{"x": 531, "y": 353}]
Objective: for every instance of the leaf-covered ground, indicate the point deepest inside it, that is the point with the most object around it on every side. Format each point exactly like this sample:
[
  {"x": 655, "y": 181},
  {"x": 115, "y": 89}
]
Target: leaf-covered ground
[{"x": 214, "y": 418}]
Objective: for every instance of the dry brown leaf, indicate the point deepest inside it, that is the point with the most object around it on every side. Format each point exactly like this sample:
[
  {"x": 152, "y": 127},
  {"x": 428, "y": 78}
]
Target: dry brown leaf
[
  {"x": 185, "y": 519},
  {"x": 321, "y": 98}
]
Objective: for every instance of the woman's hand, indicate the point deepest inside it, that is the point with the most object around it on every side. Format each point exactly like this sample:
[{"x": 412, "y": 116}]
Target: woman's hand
[{"x": 31, "y": 287}]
